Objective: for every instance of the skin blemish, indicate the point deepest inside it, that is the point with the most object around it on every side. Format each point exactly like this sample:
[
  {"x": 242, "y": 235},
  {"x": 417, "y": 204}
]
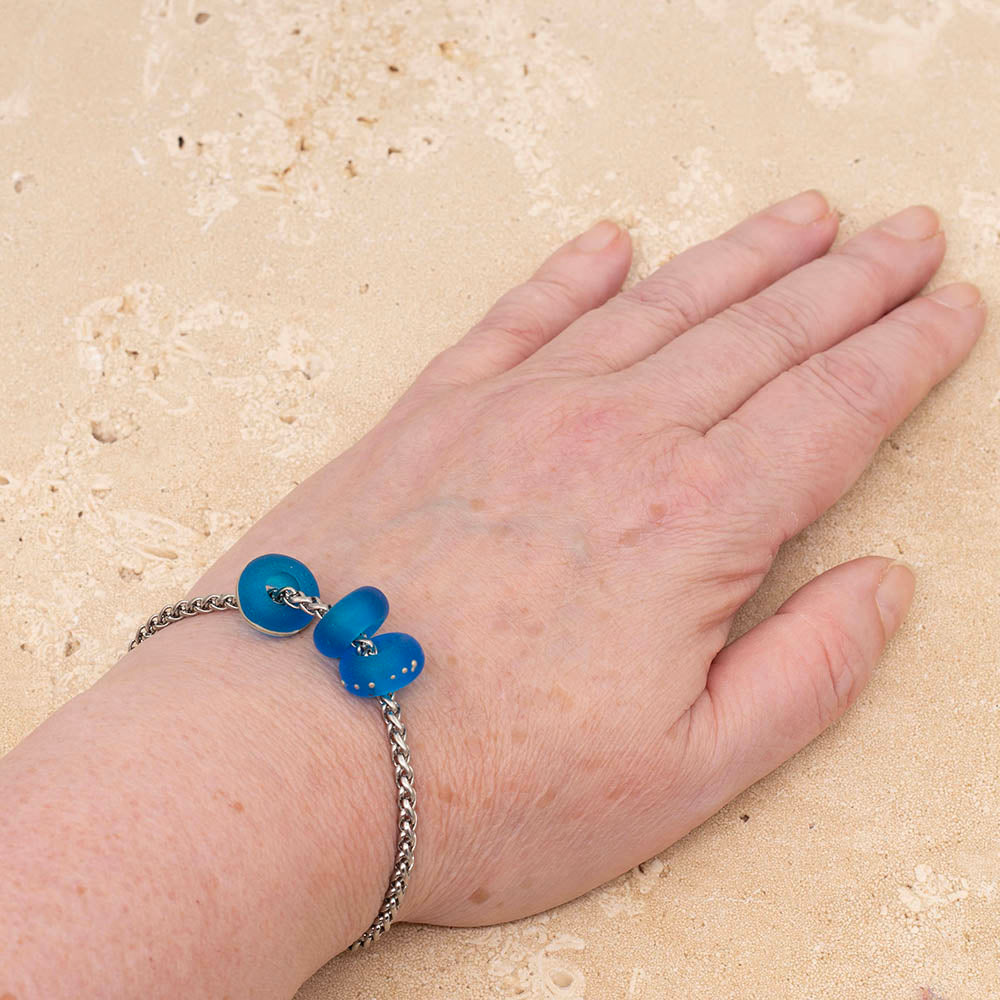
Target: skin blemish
[
  {"x": 81, "y": 889},
  {"x": 519, "y": 735},
  {"x": 476, "y": 504},
  {"x": 237, "y": 806},
  {"x": 629, "y": 538},
  {"x": 617, "y": 792},
  {"x": 446, "y": 794},
  {"x": 479, "y": 896},
  {"x": 657, "y": 510},
  {"x": 561, "y": 697},
  {"x": 201, "y": 17},
  {"x": 546, "y": 798}
]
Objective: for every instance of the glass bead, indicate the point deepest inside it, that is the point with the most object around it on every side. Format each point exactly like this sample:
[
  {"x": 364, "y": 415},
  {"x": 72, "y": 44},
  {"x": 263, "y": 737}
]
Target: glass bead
[
  {"x": 255, "y": 602},
  {"x": 398, "y": 661},
  {"x": 361, "y": 612}
]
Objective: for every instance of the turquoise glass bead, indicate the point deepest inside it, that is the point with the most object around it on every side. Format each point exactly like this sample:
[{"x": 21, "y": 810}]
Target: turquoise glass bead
[
  {"x": 398, "y": 661},
  {"x": 256, "y": 604},
  {"x": 361, "y": 612}
]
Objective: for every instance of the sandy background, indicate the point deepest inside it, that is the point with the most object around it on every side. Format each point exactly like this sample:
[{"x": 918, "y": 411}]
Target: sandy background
[{"x": 230, "y": 232}]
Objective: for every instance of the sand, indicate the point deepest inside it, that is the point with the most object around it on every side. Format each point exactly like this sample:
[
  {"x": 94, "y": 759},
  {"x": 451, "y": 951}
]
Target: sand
[{"x": 259, "y": 219}]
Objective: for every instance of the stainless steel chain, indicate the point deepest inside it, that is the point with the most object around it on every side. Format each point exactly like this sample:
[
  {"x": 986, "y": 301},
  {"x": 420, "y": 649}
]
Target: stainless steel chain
[
  {"x": 181, "y": 610},
  {"x": 406, "y": 796}
]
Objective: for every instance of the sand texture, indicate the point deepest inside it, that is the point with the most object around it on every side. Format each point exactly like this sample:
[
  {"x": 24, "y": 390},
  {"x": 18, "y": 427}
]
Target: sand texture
[{"x": 232, "y": 230}]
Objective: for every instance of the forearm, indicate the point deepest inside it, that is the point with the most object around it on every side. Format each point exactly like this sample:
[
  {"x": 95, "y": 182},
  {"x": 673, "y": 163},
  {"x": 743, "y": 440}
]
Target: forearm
[{"x": 212, "y": 818}]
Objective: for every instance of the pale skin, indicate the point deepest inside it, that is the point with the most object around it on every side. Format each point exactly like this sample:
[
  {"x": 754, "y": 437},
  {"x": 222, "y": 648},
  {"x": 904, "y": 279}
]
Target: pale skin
[{"x": 567, "y": 508}]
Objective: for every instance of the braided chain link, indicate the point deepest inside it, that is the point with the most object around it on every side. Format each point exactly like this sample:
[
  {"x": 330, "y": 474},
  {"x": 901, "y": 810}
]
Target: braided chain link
[
  {"x": 406, "y": 795},
  {"x": 183, "y": 609},
  {"x": 406, "y": 800}
]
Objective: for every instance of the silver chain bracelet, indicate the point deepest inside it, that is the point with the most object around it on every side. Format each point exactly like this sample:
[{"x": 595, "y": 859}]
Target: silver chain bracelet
[{"x": 364, "y": 647}]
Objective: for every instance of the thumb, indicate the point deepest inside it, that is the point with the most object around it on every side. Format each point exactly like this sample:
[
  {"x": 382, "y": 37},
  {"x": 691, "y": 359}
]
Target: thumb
[{"x": 782, "y": 683}]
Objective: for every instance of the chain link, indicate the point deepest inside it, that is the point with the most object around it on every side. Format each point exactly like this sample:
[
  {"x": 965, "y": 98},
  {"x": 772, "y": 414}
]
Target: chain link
[
  {"x": 406, "y": 800},
  {"x": 406, "y": 795},
  {"x": 183, "y": 609}
]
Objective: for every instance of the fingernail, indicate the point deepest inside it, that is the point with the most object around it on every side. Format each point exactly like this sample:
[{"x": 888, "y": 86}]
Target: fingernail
[
  {"x": 894, "y": 594},
  {"x": 918, "y": 222},
  {"x": 599, "y": 236},
  {"x": 960, "y": 296},
  {"x": 803, "y": 208}
]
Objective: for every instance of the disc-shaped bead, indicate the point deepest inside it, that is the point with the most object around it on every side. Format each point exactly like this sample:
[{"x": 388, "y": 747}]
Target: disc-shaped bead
[
  {"x": 255, "y": 602},
  {"x": 361, "y": 612}
]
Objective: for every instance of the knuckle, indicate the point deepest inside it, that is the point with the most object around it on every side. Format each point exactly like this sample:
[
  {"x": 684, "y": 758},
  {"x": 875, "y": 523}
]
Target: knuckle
[
  {"x": 583, "y": 423},
  {"x": 698, "y": 478},
  {"x": 551, "y": 289},
  {"x": 678, "y": 301},
  {"x": 747, "y": 253},
  {"x": 838, "y": 667},
  {"x": 853, "y": 382},
  {"x": 927, "y": 327},
  {"x": 521, "y": 315},
  {"x": 790, "y": 319},
  {"x": 868, "y": 271}
]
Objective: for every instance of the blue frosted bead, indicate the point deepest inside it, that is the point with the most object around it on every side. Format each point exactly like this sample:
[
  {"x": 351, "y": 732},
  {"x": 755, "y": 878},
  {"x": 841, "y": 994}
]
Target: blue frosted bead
[
  {"x": 398, "y": 661},
  {"x": 361, "y": 612},
  {"x": 256, "y": 604}
]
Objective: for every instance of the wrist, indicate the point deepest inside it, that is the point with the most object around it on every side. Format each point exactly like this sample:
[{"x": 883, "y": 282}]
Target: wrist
[
  {"x": 347, "y": 734},
  {"x": 303, "y": 766}
]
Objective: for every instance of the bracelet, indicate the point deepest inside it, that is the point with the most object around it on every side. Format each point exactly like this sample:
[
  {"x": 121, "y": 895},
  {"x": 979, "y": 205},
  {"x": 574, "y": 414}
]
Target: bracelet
[{"x": 275, "y": 594}]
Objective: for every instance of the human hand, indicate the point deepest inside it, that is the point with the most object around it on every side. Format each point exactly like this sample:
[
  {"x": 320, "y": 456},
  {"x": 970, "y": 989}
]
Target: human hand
[{"x": 568, "y": 507}]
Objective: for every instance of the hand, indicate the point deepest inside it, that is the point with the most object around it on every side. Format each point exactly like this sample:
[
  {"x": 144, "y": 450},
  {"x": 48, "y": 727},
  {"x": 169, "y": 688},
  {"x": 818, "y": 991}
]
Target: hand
[{"x": 568, "y": 507}]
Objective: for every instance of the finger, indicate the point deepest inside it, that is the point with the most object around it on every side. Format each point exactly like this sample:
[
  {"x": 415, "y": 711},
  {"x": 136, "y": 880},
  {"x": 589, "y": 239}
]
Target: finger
[
  {"x": 782, "y": 683},
  {"x": 706, "y": 374},
  {"x": 578, "y": 277},
  {"x": 696, "y": 284},
  {"x": 810, "y": 432}
]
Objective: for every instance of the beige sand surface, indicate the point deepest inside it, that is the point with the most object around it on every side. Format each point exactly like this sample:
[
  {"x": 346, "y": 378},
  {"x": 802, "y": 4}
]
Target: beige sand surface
[{"x": 231, "y": 231}]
